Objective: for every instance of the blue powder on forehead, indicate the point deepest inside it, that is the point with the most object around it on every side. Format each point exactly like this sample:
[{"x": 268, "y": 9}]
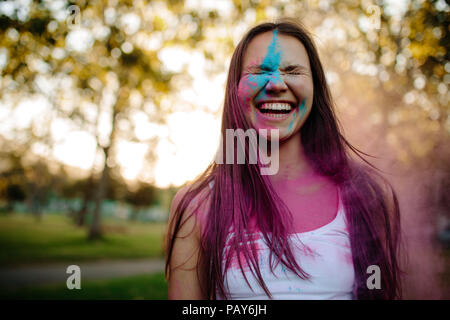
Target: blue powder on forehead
[
  {"x": 273, "y": 56},
  {"x": 270, "y": 63}
]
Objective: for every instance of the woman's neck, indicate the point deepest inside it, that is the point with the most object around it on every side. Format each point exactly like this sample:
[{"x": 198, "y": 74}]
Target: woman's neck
[{"x": 292, "y": 161}]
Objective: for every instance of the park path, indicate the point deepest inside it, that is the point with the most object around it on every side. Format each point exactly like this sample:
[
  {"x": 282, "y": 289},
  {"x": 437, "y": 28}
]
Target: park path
[{"x": 29, "y": 276}]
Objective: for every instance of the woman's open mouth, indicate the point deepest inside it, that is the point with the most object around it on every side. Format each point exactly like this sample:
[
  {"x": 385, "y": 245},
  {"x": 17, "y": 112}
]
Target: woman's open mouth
[{"x": 275, "y": 110}]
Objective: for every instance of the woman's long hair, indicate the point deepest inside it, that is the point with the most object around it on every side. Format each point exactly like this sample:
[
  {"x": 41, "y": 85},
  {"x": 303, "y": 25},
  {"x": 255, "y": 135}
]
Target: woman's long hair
[{"x": 240, "y": 194}]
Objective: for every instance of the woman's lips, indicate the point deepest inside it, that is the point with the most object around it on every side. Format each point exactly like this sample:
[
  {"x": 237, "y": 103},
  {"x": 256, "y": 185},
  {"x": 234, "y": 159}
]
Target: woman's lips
[{"x": 275, "y": 111}]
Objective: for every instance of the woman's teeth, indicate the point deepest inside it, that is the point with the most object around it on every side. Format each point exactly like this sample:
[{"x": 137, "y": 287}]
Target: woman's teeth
[
  {"x": 275, "y": 115},
  {"x": 276, "y": 106},
  {"x": 275, "y": 110}
]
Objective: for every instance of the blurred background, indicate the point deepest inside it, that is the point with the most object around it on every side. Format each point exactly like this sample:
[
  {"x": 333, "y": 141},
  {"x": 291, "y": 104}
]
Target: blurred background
[{"x": 107, "y": 107}]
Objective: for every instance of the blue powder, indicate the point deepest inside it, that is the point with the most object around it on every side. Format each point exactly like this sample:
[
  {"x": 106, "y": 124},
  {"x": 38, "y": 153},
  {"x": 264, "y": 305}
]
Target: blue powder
[
  {"x": 302, "y": 108},
  {"x": 290, "y": 125},
  {"x": 272, "y": 60},
  {"x": 269, "y": 66}
]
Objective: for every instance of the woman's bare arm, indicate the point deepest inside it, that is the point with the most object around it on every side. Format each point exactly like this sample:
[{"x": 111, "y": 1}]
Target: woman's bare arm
[{"x": 184, "y": 283}]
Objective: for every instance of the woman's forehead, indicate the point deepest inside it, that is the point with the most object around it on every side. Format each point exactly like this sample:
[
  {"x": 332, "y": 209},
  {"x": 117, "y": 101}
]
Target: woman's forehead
[{"x": 268, "y": 44}]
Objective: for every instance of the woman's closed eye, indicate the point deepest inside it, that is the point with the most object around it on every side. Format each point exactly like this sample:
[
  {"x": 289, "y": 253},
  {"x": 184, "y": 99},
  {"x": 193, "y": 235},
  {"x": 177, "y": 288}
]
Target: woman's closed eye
[
  {"x": 287, "y": 71},
  {"x": 260, "y": 71},
  {"x": 294, "y": 70}
]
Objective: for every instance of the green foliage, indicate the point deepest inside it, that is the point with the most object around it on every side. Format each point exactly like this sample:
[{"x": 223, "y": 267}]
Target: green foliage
[
  {"x": 144, "y": 196},
  {"x": 56, "y": 239},
  {"x": 14, "y": 192},
  {"x": 148, "y": 287},
  {"x": 121, "y": 63}
]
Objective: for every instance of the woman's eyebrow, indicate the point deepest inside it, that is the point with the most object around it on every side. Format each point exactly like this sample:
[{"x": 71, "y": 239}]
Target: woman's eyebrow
[
  {"x": 255, "y": 66},
  {"x": 294, "y": 67}
]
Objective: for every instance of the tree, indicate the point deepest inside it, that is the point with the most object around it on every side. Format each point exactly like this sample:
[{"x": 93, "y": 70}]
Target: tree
[
  {"x": 95, "y": 83},
  {"x": 111, "y": 66},
  {"x": 144, "y": 196}
]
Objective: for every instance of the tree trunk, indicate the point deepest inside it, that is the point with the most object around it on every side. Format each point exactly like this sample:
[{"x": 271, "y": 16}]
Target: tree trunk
[
  {"x": 134, "y": 214},
  {"x": 80, "y": 215},
  {"x": 33, "y": 202},
  {"x": 95, "y": 232}
]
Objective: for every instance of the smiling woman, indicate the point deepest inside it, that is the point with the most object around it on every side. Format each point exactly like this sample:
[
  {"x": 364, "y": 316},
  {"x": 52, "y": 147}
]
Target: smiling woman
[
  {"x": 311, "y": 230},
  {"x": 276, "y": 86}
]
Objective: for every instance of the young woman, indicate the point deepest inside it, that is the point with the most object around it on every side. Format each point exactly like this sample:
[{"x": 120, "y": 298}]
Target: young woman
[{"x": 324, "y": 226}]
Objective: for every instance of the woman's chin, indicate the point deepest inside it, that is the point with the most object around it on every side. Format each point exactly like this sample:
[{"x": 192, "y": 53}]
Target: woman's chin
[{"x": 284, "y": 132}]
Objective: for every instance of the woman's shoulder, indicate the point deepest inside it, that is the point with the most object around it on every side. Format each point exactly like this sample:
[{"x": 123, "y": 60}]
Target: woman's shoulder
[
  {"x": 193, "y": 199},
  {"x": 194, "y": 193}
]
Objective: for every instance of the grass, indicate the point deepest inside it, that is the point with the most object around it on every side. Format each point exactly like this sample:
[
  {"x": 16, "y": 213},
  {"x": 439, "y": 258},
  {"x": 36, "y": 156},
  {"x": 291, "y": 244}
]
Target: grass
[
  {"x": 23, "y": 240},
  {"x": 151, "y": 287}
]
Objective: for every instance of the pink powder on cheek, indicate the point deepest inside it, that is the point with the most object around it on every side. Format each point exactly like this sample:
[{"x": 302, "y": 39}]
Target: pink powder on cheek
[
  {"x": 248, "y": 87},
  {"x": 245, "y": 90}
]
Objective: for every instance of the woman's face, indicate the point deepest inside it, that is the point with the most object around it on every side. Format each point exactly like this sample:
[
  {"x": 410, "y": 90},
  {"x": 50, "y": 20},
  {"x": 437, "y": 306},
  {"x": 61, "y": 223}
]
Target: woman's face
[{"x": 276, "y": 84}]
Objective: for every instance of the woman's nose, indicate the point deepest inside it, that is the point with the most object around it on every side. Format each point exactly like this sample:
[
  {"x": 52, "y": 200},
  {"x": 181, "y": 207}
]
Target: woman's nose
[{"x": 276, "y": 84}]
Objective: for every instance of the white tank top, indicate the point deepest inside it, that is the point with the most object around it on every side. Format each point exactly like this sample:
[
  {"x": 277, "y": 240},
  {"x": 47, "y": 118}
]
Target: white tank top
[{"x": 327, "y": 258}]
